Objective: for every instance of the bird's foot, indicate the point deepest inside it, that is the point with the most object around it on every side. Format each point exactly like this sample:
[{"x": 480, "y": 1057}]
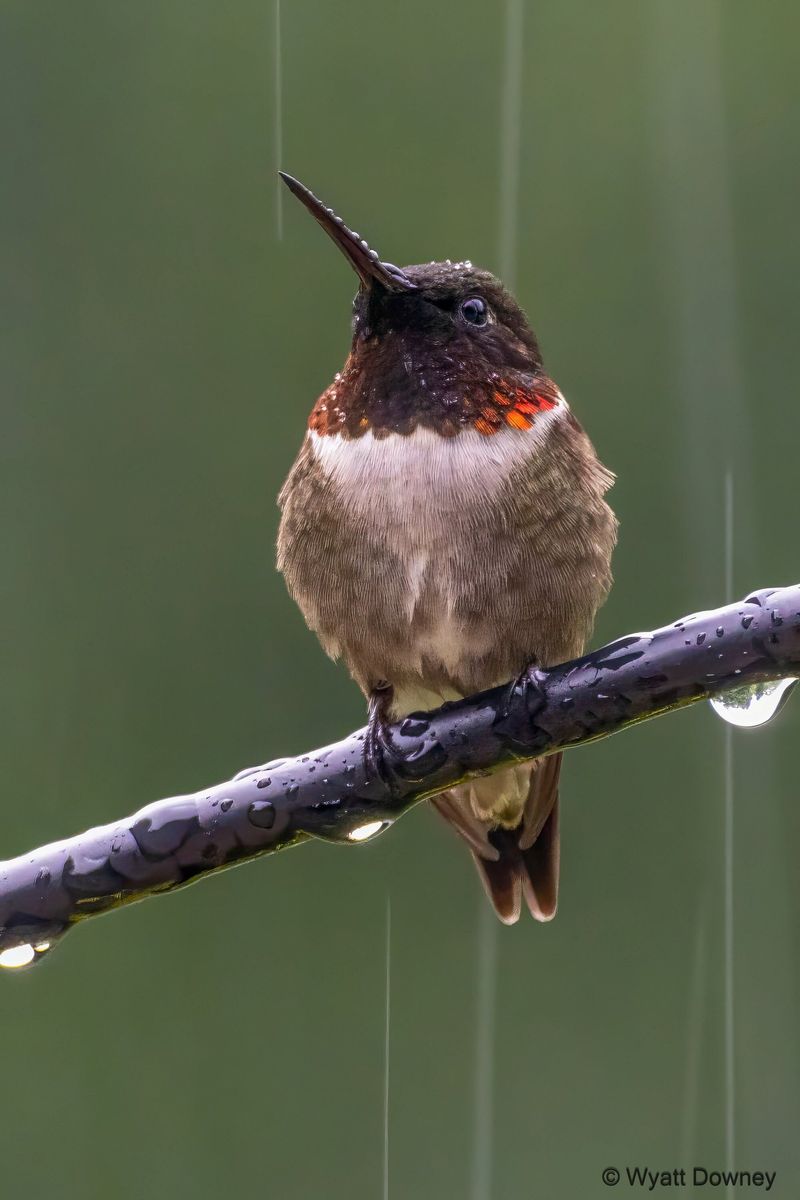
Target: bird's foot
[
  {"x": 377, "y": 741},
  {"x": 519, "y": 686},
  {"x": 522, "y": 701}
]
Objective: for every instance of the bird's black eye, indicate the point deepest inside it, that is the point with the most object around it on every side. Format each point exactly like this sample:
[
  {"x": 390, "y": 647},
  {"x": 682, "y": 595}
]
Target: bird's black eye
[{"x": 474, "y": 311}]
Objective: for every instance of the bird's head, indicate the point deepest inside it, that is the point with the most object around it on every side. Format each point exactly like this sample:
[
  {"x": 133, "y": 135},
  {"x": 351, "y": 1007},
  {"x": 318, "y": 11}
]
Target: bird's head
[{"x": 435, "y": 338}]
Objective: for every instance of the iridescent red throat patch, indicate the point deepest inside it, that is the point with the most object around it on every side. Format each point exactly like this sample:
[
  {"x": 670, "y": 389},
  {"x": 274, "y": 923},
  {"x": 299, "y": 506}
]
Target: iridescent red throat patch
[
  {"x": 515, "y": 406},
  {"x": 347, "y": 408}
]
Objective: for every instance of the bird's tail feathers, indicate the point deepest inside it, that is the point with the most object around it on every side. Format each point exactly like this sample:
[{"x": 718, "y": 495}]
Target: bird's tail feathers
[{"x": 517, "y": 864}]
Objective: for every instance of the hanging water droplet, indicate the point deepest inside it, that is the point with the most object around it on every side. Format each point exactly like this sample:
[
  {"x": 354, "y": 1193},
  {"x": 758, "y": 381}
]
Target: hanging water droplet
[
  {"x": 17, "y": 956},
  {"x": 363, "y": 833},
  {"x": 754, "y": 704},
  {"x": 23, "y": 955}
]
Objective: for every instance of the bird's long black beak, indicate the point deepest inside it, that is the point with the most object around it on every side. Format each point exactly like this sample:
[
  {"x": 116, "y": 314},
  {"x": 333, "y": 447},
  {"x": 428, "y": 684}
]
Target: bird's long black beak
[{"x": 364, "y": 261}]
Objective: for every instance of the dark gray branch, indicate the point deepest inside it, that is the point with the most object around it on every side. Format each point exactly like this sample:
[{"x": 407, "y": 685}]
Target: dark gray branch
[{"x": 328, "y": 793}]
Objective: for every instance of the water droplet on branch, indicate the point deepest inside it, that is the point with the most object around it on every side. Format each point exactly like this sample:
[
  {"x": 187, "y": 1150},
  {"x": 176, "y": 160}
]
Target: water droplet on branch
[
  {"x": 23, "y": 955},
  {"x": 753, "y": 704},
  {"x": 17, "y": 956},
  {"x": 363, "y": 833}
]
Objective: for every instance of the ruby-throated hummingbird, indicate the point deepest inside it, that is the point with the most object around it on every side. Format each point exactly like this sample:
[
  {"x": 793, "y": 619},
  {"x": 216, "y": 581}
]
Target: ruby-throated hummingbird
[{"x": 443, "y": 527}]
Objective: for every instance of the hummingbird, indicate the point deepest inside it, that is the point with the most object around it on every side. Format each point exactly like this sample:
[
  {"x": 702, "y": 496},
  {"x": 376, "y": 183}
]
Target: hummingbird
[{"x": 444, "y": 528}]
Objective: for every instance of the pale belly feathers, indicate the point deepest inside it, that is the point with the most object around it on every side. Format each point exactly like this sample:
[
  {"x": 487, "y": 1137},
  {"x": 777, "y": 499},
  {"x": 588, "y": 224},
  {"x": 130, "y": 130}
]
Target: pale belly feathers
[
  {"x": 442, "y": 566},
  {"x": 428, "y": 500}
]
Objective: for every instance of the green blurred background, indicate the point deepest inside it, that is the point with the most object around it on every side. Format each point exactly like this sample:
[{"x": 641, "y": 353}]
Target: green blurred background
[{"x": 160, "y": 349}]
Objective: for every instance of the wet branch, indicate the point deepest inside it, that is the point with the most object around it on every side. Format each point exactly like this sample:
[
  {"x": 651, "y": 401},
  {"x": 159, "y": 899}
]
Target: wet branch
[{"x": 328, "y": 793}]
